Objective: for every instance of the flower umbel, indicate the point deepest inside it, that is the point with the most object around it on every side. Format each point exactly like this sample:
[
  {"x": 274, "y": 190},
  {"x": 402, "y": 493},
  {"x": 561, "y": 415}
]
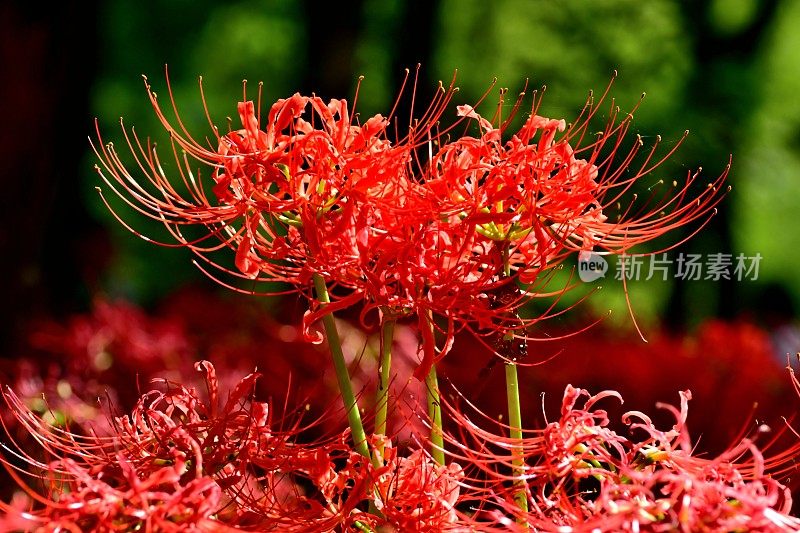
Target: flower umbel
[{"x": 312, "y": 191}]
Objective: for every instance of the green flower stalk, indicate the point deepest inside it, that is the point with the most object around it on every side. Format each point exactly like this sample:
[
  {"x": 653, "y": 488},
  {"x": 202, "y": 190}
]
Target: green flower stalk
[
  {"x": 432, "y": 392},
  {"x": 382, "y": 401},
  {"x": 515, "y": 430},
  {"x": 342, "y": 375}
]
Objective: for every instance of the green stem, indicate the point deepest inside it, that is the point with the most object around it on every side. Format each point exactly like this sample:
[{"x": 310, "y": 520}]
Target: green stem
[
  {"x": 435, "y": 414},
  {"x": 362, "y": 527},
  {"x": 387, "y": 336},
  {"x": 432, "y": 389},
  {"x": 515, "y": 426},
  {"x": 432, "y": 393},
  {"x": 342, "y": 376},
  {"x": 515, "y": 419}
]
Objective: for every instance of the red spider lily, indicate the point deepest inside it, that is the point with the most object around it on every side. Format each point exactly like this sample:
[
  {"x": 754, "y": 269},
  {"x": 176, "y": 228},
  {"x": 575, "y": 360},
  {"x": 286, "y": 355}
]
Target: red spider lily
[
  {"x": 313, "y": 193},
  {"x": 543, "y": 191},
  {"x": 159, "y": 501},
  {"x": 180, "y": 461},
  {"x": 416, "y": 494},
  {"x": 583, "y": 476},
  {"x": 509, "y": 210},
  {"x": 175, "y": 452},
  {"x": 295, "y": 198}
]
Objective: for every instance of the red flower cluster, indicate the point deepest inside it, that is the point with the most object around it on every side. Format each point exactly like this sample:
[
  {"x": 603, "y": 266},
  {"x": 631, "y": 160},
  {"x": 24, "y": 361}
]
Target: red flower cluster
[
  {"x": 183, "y": 460},
  {"x": 179, "y": 462},
  {"x": 458, "y": 231},
  {"x": 583, "y": 476},
  {"x": 420, "y": 224}
]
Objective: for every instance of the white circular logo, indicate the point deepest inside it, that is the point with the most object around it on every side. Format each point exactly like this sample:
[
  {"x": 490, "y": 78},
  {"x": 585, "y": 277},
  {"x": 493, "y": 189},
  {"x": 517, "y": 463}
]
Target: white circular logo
[{"x": 591, "y": 266}]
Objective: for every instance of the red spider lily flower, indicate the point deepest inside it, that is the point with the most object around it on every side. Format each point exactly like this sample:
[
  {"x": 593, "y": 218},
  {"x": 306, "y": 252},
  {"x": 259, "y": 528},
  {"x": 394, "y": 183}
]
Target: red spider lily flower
[
  {"x": 517, "y": 207},
  {"x": 542, "y": 192},
  {"x": 582, "y": 476},
  {"x": 196, "y": 463},
  {"x": 508, "y": 211},
  {"x": 292, "y": 199},
  {"x": 311, "y": 194},
  {"x": 159, "y": 501},
  {"x": 315, "y": 194},
  {"x": 416, "y": 494}
]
